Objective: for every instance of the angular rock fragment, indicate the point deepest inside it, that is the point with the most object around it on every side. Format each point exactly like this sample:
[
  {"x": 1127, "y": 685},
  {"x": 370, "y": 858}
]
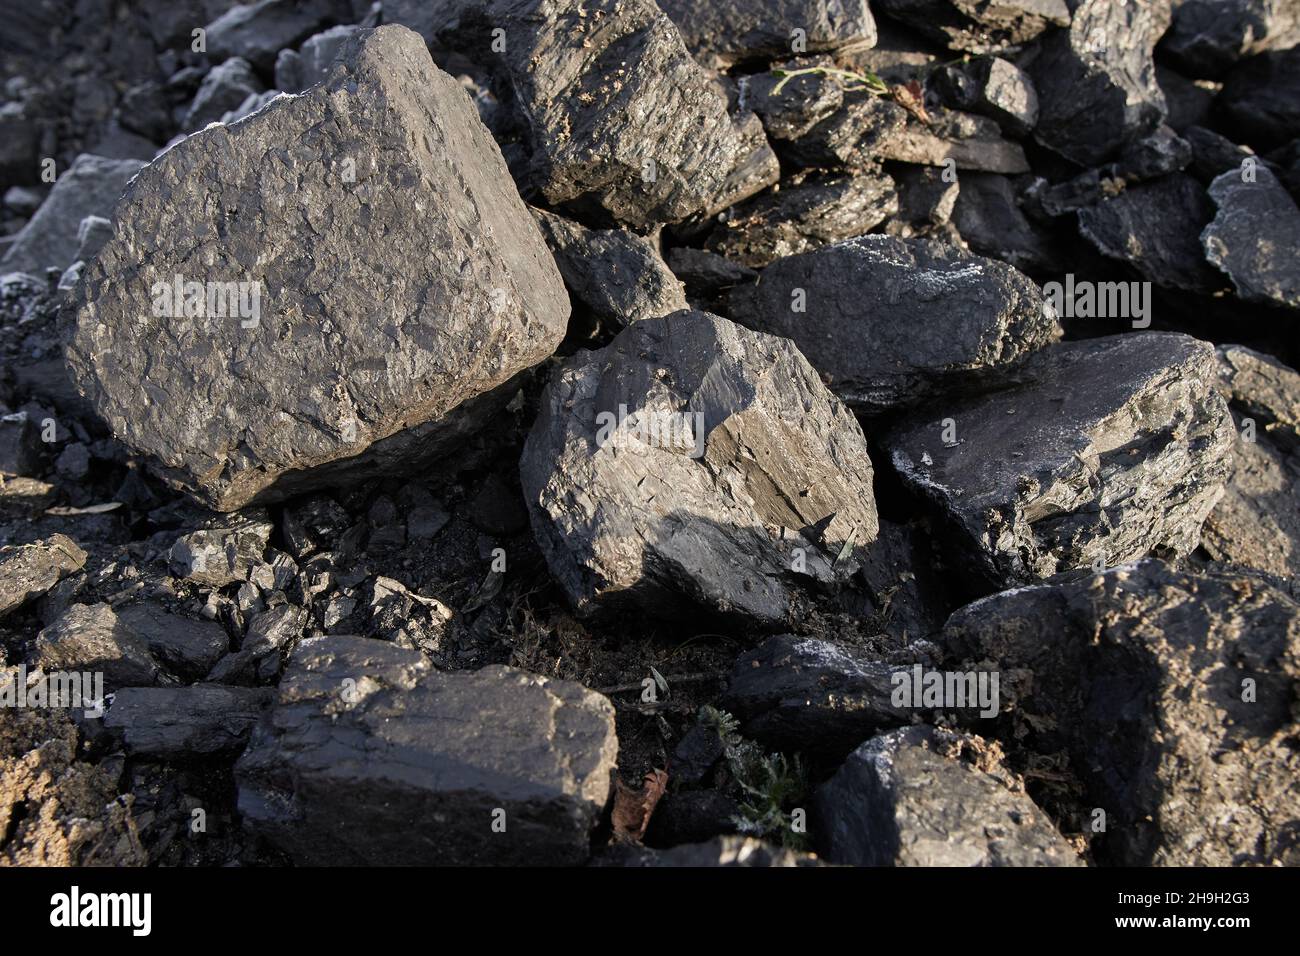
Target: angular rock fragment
[
  {"x": 91, "y": 638},
  {"x": 187, "y": 648},
  {"x": 926, "y": 199},
  {"x": 1155, "y": 228},
  {"x": 1102, "y": 451},
  {"x": 1260, "y": 99},
  {"x": 179, "y": 722},
  {"x": 804, "y": 100},
  {"x": 619, "y": 117},
  {"x": 990, "y": 220},
  {"x": 976, "y": 26},
  {"x": 223, "y": 554},
  {"x": 91, "y": 186},
  {"x": 992, "y": 87},
  {"x": 935, "y": 315},
  {"x": 1173, "y": 696},
  {"x": 1209, "y": 36},
  {"x": 1254, "y": 235},
  {"x": 271, "y": 633},
  {"x": 258, "y": 31},
  {"x": 616, "y": 274},
  {"x": 753, "y": 170},
  {"x": 222, "y": 90},
  {"x": 1257, "y": 522},
  {"x": 968, "y": 141},
  {"x": 369, "y": 756},
  {"x": 1096, "y": 81},
  {"x": 30, "y": 570},
  {"x": 693, "y": 461},
  {"x": 720, "y": 33},
  {"x": 854, "y": 136},
  {"x": 311, "y": 358},
  {"x": 808, "y": 211},
  {"x": 705, "y": 273},
  {"x": 296, "y": 70},
  {"x": 20, "y": 445},
  {"x": 923, "y": 796},
  {"x": 799, "y": 694}
]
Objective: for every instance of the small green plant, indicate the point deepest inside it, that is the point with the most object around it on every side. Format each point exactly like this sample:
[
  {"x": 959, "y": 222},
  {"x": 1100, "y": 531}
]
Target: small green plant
[
  {"x": 726, "y": 726},
  {"x": 771, "y": 785},
  {"x": 849, "y": 80}
]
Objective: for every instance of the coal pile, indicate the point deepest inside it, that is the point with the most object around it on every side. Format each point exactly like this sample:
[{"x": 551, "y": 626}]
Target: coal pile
[{"x": 631, "y": 434}]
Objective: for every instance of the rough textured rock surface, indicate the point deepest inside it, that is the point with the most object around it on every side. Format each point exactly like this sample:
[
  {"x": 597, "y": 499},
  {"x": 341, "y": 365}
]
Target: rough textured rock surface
[
  {"x": 225, "y": 87},
  {"x": 296, "y": 70},
  {"x": 347, "y": 352},
  {"x": 258, "y": 31},
  {"x": 722, "y": 32},
  {"x": 1096, "y": 81},
  {"x": 1102, "y": 451},
  {"x": 369, "y": 756},
  {"x": 935, "y": 315},
  {"x": 187, "y": 648},
  {"x": 91, "y": 638},
  {"x": 617, "y": 274},
  {"x": 692, "y": 460},
  {"x": 1209, "y": 36},
  {"x": 922, "y": 796},
  {"x": 28, "y": 571},
  {"x": 976, "y": 26},
  {"x": 1257, "y": 522},
  {"x": 176, "y": 722},
  {"x": 91, "y": 186},
  {"x": 223, "y": 553},
  {"x": 619, "y": 116},
  {"x": 807, "y": 695},
  {"x": 1261, "y": 98},
  {"x": 969, "y": 141},
  {"x": 1253, "y": 237},
  {"x": 992, "y": 87},
  {"x": 1140, "y": 674}
]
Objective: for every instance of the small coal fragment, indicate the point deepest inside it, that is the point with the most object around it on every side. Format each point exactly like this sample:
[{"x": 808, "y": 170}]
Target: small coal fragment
[
  {"x": 922, "y": 796},
  {"x": 91, "y": 638},
  {"x": 369, "y": 756},
  {"x": 936, "y": 314},
  {"x": 720, "y": 33},
  {"x": 20, "y": 445},
  {"x": 704, "y": 273},
  {"x": 992, "y": 87},
  {"x": 968, "y": 141},
  {"x": 297, "y": 70},
  {"x": 28, "y": 571},
  {"x": 1208, "y": 36},
  {"x": 258, "y": 31},
  {"x": 1104, "y": 450},
  {"x": 187, "y": 648},
  {"x": 1254, "y": 235},
  {"x": 222, "y": 90},
  {"x": 975, "y": 26},
  {"x": 854, "y": 136},
  {"x": 180, "y": 722},
  {"x": 989, "y": 218},
  {"x": 222, "y": 554}
]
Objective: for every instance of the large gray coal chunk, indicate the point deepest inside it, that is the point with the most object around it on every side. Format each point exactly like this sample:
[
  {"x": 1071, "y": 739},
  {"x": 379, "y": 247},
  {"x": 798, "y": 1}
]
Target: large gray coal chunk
[
  {"x": 934, "y": 315},
  {"x": 808, "y": 212},
  {"x": 693, "y": 462},
  {"x": 369, "y": 756},
  {"x": 922, "y": 796},
  {"x": 225, "y": 87},
  {"x": 804, "y": 100},
  {"x": 1254, "y": 235},
  {"x": 30, "y": 570},
  {"x": 1257, "y": 522},
  {"x": 1096, "y": 81},
  {"x": 853, "y": 136},
  {"x": 1261, "y": 98},
  {"x": 977, "y": 26},
  {"x": 1208, "y": 36},
  {"x": 801, "y": 694},
  {"x": 1173, "y": 695},
  {"x": 968, "y": 141},
  {"x": 259, "y": 31},
  {"x": 1101, "y": 452},
  {"x": 620, "y": 117},
  {"x": 187, "y": 648},
  {"x": 722, "y": 32},
  {"x": 992, "y": 87},
  {"x": 91, "y": 186},
  {"x": 1155, "y": 227},
  {"x": 179, "y": 722},
  {"x": 619, "y": 276},
  {"x": 990, "y": 220},
  {"x": 349, "y": 366},
  {"x": 89, "y": 637}
]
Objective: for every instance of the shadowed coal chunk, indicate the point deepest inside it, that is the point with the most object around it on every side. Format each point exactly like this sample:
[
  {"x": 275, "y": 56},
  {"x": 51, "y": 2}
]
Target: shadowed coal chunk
[
  {"x": 993, "y": 87},
  {"x": 978, "y": 26},
  {"x": 301, "y": 356},
  {"x": 1100, "y": 452},
  {"x": 799, "y": 694},
  {"x": 89, "y": 637},
  {"x": 1096, "y": 81},
  {"x": 258, "y": 31},
  {"x": 923, "y": 796},
  {"x": 1155, "y": 228},
  {"x": 722, "y": 32},
  {"x": 934, "y": 314},
  {"x": 1261, "y": 98},
  {"x": 1254, "y": 236},
  {"x": 1173, "y": 695},
  {"x": 185, "y": 647},
  {"x": 176, "y": 722},
  {"x": 616, "y": 274},
  {"x": 990, "y": 220},
  {"x": 694, "y": 462},
  {"x": 369, "y": 756},
  {"x": 1209, "y": 36},
  {"x": 1257, "y": 522},
  {"x": 619, "y": 116},
  {"x": 28, "y": 571}
]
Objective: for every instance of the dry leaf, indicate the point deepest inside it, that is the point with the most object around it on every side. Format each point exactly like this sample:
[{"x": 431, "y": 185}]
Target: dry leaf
[
  {"x": 64, "y": 511},
  {"x": 911, "y": 96},
  {"x": 632, "y": 808}
]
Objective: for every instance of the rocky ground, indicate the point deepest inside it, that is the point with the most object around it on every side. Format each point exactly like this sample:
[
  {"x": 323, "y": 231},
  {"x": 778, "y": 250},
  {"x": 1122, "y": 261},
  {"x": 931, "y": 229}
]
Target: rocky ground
[{"x": 732, "y": 432}]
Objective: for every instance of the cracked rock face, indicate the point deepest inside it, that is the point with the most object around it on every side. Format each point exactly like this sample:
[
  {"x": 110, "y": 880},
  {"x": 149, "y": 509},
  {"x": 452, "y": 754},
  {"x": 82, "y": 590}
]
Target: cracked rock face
[
  {"x": 1172, "y": 693},
  {"x": 693, "y": 461},
  {"x": 923, "y": 796},
  {"x": 1254, "y": 235},
  {"x": 1096, "y": 81},
  {"x": 341, "y": 352},
  {"x": 1101, "y": 452},
  {"x": 369, "y": 756},
  {"x": 722, "y": 32},
  {"x": 977, "y": 26},
  {"x": 935, "y": 314},
  {"x": 1209, "y": 36},
  {"x": 29, "y": 571}
]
